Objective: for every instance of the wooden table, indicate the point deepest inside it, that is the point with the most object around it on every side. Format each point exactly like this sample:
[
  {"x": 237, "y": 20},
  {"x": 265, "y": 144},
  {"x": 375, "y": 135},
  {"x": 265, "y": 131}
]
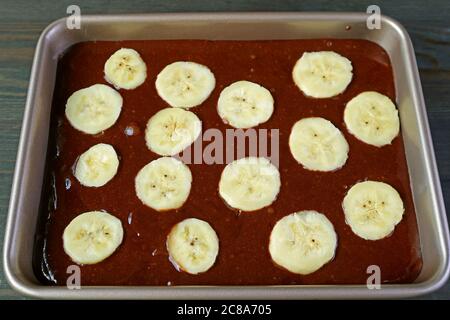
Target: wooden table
[{"x": 22, "y": 21}]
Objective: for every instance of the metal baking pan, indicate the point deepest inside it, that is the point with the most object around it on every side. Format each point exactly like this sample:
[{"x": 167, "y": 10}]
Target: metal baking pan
[{"x": 29, "y": 172}]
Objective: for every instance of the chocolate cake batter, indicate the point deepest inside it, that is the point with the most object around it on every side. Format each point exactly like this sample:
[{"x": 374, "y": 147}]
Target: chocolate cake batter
[{"x": 243, "y": 258}]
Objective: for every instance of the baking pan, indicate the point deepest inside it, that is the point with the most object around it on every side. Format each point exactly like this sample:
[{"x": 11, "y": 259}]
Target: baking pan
[{"x": 31, "y": 158}]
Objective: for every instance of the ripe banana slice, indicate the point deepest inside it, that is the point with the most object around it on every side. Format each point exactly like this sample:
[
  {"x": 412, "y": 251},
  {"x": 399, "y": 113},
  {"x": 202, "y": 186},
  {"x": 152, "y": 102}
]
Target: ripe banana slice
[
  {"x": 94, "y": 109},
  {"x": 249, "y": 184},
  {"x": 303, "y": 242},
  {"x": 245, "y": 104},
  {"x": 97, "y": 166},
  {"x": 164, "y": 184},
  {"x": 92, "y": 237},
  {"x": 372, "y": 209},
  {"x": 171, "y": 130},
  {"x": 193, "y": 246},
  {"x": 372, "y": 118},
  {"x": 318, "y": 145},
  {"x": 125, "y": 69},
  {"x": 322, "y": 74},
  {"x": 185, "y": 84}
]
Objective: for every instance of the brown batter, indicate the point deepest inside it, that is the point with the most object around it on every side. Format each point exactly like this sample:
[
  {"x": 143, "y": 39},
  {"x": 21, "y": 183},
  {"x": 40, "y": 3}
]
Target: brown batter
[{"x": 142, "y": 259}]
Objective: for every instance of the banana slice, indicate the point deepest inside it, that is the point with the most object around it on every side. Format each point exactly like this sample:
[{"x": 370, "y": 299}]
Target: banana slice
[
  {"x": 94, "y": 109},
  {"x": 164, "y": 184},
  {"x": 97, "y": 166},
  {"x": 318, "y": 145},
  {"x": 193, "y": 246},
  {"x": 372, "y": 118},
  {"x": 303, "y": 242},
  {"x": 125, "y": 69},
  {"x": 245, "y": 104},
  {"x": 171, "y": 130},
  {"x": 92, "y": 237},
  {"x": 185, "y": 84},
  {"x": 372, "y": 209},
  {"x": 249, "y": 184},
  {"x": 322, "y": 74}
]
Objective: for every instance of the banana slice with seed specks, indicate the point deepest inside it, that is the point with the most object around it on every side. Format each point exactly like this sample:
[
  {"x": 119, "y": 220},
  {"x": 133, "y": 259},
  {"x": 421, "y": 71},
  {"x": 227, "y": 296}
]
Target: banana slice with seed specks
[
  {"x": 185, "y": 84},
  {"x": 193, "y": 246},
  {"x": 249, "y": 184},
  {"x": 94, "y": 109},
  {"x": 372, "y": 209},
  {"x": 318, "y": 145},
  {"x": 171, "y": 130},
  {"x": 164, "y": 184},
  {"x": 245, "y": 104},
  {"x": 97, "y": 166},
  {"x": 322, "y": 74},
  {"x": 125, "y": 69},
  {"x": 372, "y": 118},
  {"x": 303, "y": 242},
  {"x": 92, "y": 237}
]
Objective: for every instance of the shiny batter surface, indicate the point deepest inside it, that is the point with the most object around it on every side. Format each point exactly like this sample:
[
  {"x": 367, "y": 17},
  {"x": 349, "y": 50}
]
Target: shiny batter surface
[{"x": 243, "y": 259}]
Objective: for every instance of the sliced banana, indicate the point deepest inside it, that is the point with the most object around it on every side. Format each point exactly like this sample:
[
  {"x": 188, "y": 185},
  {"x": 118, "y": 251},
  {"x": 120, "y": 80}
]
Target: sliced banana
[
  {"x": 372, "y": 209},
  {"x": 164, "y": 184},
  {"x": 94, "y": 109},
  {"x": 303, "y": 242},
  {"x": 172, "y": 130},
  {"x": 322, "y": 74},
  {"x": 185, "y": 84},
  {"x": 92, "y": 237},
  {"x": 318, "y": 145},
  {"x": 97, "y": 166},
  {"x": 249, "y": 184},
  {"x": 193, "y": 246},
  {"x": 372, "y": 118},
  {"x": 245, "y": 104},
  {"x": 125, "y": 69}
]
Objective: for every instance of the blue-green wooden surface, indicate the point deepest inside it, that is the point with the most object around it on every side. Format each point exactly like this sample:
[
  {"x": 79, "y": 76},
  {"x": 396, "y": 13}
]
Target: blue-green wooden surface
[{"x": 22, "y": 21}]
